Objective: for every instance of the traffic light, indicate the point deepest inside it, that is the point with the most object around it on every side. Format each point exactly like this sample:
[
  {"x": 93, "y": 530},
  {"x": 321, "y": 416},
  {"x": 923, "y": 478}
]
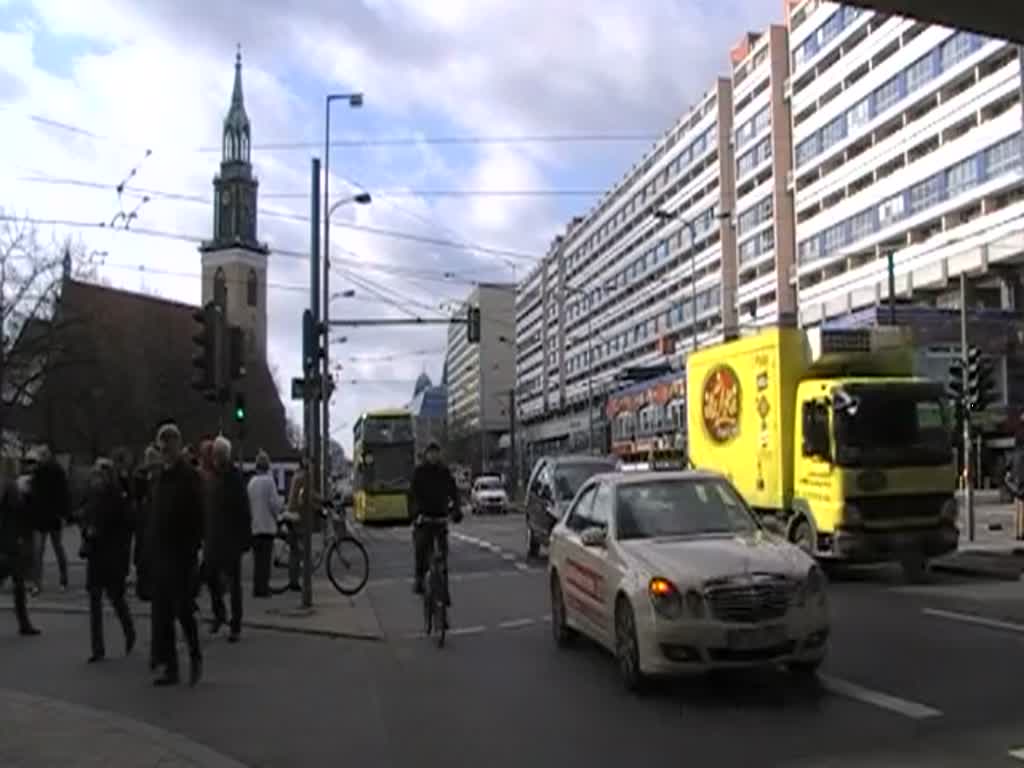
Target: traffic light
[
  {"x": 980, "y": 381},
  {"x": 955, "y": 387},
  {"x": 236, "y": 358},
  {"x": 239, "y": 407},
  {"x": 204, "y": 360},
  {"x": 309, "y": 340},
  {"x": 473, "y": 325}
]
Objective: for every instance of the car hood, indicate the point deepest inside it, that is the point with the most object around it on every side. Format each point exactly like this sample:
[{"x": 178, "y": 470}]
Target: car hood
[{"x": 692, "y": 561}]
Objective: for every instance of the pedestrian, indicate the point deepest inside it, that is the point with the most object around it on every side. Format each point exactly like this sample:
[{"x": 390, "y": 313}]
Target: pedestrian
[
  {"x": 1017, "y": 471},
  {"x": 106, "y": 547},
  {"x": 174, "y": 537},
  {"x": 50, "y": 499},
  {"x": 16, "y": 543},
  {"x": 434, "y": 495},
  {"x": 292, "y": 517},
  {"x": 228, "y": 534},
  {"x": 144, "y": 483},
  {"x": 265, "y": 505}
]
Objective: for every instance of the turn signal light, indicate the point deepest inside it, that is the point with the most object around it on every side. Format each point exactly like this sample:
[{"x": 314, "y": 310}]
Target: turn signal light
[
  {"x": 665, "y": 598},
  {"x": 661, "y": 587}
]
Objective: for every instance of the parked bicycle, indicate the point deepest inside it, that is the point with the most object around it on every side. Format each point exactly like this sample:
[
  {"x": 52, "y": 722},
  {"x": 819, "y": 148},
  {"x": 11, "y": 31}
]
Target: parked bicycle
[
  {"x": 348, "y": 565},
  {"x": 436, "y": 597}
]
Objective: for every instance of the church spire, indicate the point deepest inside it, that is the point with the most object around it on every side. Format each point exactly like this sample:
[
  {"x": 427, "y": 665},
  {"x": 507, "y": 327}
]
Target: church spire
[{"x": 236, "y": 123}]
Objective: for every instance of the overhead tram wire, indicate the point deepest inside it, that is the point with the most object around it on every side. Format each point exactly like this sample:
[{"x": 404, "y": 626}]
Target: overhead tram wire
[{"x": 300, "y": 218}]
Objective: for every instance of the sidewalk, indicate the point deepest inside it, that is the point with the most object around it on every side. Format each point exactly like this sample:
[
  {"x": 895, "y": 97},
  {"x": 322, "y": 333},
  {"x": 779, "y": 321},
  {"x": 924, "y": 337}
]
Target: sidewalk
[
  {"x": 994, "y": 553},
  {"x": 39, "y": 732}
]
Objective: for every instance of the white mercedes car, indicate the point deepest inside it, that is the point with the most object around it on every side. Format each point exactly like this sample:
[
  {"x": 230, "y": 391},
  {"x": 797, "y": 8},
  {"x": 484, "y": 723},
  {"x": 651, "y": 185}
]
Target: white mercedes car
[{"x": 672, "y": 572}]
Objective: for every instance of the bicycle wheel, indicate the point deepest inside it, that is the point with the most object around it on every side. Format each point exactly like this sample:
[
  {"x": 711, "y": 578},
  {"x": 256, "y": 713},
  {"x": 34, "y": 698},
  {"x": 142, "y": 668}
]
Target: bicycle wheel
[{"x": 348, "y": 566}]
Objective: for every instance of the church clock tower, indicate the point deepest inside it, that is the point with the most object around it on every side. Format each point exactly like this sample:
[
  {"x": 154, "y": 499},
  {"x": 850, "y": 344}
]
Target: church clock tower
[{"x": 234, "y": 260}]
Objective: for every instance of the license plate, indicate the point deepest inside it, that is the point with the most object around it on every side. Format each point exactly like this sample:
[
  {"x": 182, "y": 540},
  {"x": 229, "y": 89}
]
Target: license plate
[{"x": 756, "y": 637}]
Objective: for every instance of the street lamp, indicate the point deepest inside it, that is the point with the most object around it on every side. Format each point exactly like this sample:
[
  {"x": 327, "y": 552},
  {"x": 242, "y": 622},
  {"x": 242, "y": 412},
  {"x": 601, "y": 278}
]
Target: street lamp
[
  {"x": 662, "y": 215},
  {"x": 355, "y": 100}
]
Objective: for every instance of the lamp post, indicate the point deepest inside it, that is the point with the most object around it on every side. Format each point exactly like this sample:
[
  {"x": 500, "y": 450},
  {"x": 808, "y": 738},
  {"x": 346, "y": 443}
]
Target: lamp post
[
  {"x": 663, "y": 215},
  {"x": 361, "y": 198}
]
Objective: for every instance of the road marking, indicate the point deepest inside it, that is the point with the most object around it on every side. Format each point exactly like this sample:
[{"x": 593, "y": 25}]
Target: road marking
[
  {"x": 910, "y": 709},
  {"x": 508, "y": 556},
  {"x": 516, "y": 623},
  {"x": 968, "y": 618},
  {"x": 1017, "y": 754},
  {"x": 522, "y": 567},
  {"x": 468, "y": 630}
]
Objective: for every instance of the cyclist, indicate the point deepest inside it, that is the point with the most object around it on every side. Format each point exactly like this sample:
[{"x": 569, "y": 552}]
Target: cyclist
[{"x": 433, "y": 493}]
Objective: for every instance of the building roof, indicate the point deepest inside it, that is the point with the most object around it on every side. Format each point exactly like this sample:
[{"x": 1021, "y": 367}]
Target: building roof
[{"x": 124, "y": 364}]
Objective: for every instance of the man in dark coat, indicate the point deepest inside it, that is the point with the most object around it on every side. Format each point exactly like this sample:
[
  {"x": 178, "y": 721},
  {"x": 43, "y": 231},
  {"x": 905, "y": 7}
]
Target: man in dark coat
[
  {"x": 16, "y": 541},
  {"x": 434, "y": 495},
  {"x": 143, "y": 485},
  {"x": 50, "y": 500},
  {"x": 173, "y": 540},
  {"x": 228, "y": 535}
]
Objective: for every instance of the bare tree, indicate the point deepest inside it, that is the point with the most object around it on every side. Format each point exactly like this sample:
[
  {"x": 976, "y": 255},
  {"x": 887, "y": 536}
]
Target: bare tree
[{"x": 31, "y": 272}]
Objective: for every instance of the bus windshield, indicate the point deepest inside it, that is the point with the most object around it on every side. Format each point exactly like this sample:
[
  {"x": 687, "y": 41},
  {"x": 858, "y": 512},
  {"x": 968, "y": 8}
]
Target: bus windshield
[
  {"x": 386, "y": 454},
  {"x": 893, "y": 425},
  {"x": 388, "y": 430}
]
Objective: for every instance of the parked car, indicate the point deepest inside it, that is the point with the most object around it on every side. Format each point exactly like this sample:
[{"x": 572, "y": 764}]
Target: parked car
[
  {"x": 553, "y": 484},
  {"x": 488, "y": 496},
  {"x": 673, "y": 573}
]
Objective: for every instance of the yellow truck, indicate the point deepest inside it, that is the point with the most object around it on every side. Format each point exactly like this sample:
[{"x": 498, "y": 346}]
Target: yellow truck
[{"x": 831, "y": 438}]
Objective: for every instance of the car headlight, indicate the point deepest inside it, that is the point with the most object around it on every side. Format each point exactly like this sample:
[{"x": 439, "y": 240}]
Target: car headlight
[
  {"x": 665, "y": 598},
  {"x": 851, "y": 515}
]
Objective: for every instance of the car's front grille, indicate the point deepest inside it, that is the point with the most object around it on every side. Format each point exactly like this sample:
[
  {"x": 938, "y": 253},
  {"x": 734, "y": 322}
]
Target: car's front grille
[{"x": 750, "y": 599}]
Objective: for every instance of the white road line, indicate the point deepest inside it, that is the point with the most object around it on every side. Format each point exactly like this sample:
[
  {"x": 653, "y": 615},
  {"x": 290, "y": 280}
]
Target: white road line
[
  {"x": 522, "y": 567},
  {"x": 904, "y": 707},
  {"x": 1017, "y": 754},
  {"x": 968, "y": 618},
  {"x": 516, "y": 623},
  {"x": 468, "y": 630},
  {"x": 508, "y": 556}
]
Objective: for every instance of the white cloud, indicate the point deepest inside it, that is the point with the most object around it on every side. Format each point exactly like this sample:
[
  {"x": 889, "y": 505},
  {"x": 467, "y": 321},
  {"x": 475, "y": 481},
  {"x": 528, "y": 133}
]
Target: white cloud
[{"x": 158, "y": 75}]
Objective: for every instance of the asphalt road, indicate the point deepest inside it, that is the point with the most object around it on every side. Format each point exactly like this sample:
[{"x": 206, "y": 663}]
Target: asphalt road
[{"x": 916, "y": 677}]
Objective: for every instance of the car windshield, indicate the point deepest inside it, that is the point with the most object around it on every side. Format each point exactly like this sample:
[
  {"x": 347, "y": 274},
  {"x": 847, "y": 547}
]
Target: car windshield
[
  {"x": 569, "y": 477},
  {"x": 680, "y": 508},
  {"x": 488, "y": 484}
]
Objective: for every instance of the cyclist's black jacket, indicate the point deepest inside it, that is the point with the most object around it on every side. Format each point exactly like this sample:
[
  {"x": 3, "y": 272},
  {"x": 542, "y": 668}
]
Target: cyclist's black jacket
[{"x": 433, "y": 487}]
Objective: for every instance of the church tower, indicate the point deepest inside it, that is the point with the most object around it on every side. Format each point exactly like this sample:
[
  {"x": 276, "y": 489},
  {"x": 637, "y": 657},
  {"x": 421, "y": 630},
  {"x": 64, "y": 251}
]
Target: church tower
[{"x": 234, "y": 260}]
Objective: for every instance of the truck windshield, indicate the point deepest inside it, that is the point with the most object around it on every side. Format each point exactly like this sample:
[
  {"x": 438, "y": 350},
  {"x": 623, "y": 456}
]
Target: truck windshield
[{"x": 893, "y": 425}]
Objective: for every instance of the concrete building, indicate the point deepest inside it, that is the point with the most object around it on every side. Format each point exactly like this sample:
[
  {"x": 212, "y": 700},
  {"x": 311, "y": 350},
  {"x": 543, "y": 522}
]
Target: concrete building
[
  {"x": 625, "y": 288},
  {"x": 764, "y": 157},
  {"x": 429, "y": 408},
  {"x": 481, "y": 376},
  {"x": 907, "y": 143}
]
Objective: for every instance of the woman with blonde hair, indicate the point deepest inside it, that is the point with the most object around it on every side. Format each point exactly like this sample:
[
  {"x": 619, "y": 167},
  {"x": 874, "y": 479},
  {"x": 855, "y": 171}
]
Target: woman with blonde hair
[{"x": 106, "y": 546}]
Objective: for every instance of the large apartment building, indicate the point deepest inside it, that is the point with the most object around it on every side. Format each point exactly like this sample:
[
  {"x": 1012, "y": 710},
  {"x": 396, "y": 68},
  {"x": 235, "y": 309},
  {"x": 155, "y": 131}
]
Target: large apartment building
[{"x": 844, "y": 141}]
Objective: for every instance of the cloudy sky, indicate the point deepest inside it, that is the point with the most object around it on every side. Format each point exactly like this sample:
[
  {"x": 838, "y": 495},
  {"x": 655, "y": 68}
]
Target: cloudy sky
[{"x": 86, "y": 88}]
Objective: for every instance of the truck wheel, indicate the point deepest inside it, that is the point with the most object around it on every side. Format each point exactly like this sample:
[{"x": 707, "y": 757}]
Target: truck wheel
[{"x": 803, "y": 536}]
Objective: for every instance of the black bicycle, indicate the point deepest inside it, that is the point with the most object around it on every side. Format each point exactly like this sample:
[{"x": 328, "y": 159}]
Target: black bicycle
[
  {"x": 436, "y": 597},
  {"x": 348, "y": 565}
]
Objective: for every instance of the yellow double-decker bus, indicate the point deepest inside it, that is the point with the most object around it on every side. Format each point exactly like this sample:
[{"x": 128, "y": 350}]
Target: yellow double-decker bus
[{"x": 384, "y": 457}]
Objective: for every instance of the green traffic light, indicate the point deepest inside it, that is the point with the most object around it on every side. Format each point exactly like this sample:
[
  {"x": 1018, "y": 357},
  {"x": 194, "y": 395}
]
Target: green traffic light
[{"x": 239, "y": 414}]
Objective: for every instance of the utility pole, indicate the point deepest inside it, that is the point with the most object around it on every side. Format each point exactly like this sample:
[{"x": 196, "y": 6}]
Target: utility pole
[
  {"x": 968, "y": 490},
  {"x": 513, "y": 461},
  {"x": 890, "y": 259},
  {"x": 319, "y": 337}
]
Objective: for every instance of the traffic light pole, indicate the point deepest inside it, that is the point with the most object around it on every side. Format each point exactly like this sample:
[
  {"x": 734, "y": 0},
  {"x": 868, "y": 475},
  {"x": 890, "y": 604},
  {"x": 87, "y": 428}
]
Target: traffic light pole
[
  {"x": 313, "y": 438},
  {"x": 968, "y": 489}
]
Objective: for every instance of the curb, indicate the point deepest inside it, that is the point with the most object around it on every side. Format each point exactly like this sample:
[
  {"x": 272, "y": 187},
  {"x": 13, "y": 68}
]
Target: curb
[
  {"x": 177, "y": 744},
  {"x": 977, "y": 570},
  {"x": 265, "y": 626}
]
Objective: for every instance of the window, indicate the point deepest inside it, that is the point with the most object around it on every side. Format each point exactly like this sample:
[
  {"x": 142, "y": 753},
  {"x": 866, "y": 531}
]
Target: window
[
  {"x": 962, "y": 176},
  {"x": 890, "y": 210},
  {"x": 810, "y": 250},
  {"x": 220, "y": 288},
  {"x": 252, "y": 288},
  {"x": 889, "y": 93},
  {"x": 579, "y": 513},
  {"x": 926, "y": 194},
  {"x": 601, "y": 510},
  {"x": 862, "y": 225},
  {"x": 957, "y": 48},
  {"x": 860, "y": 114},
  {"x": 920, "y": 72},
  {"x": 833, "y": 133},
  {"x": 807, "y": 149},
  {"x": 748, "y": 250},
  {"x": 680, "y": 508},
  {"x": 1003, "y": 157}
]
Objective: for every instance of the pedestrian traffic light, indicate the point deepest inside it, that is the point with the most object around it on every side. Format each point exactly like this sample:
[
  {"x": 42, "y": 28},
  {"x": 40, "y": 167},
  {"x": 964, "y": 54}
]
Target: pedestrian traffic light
[
  {"x": 955, "y": 387},
  {"x": 204, "y": 360},
  {"x": 980, "y": 381},
  {"x": 240, "y": 407},
  {"x": 473, "y": 325},
  {"x": 236, "y": 358}
]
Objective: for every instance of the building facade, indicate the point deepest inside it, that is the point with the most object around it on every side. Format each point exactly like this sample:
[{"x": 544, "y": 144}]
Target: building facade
[
  {"x": 848, "y": 151},
  {"x": 481, "y": 376},
  {"x": 429, "y": 408}
]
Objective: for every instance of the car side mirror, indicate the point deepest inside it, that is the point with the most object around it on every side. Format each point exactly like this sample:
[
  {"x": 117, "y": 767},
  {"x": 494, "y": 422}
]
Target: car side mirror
[{"x": 594, "y": 537}]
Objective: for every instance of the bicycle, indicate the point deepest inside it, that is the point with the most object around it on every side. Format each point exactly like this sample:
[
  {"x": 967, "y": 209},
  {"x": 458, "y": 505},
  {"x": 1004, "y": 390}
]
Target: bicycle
[
  {"x": 348, "y": 565},
  {"x": 436, "y": 597}
]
